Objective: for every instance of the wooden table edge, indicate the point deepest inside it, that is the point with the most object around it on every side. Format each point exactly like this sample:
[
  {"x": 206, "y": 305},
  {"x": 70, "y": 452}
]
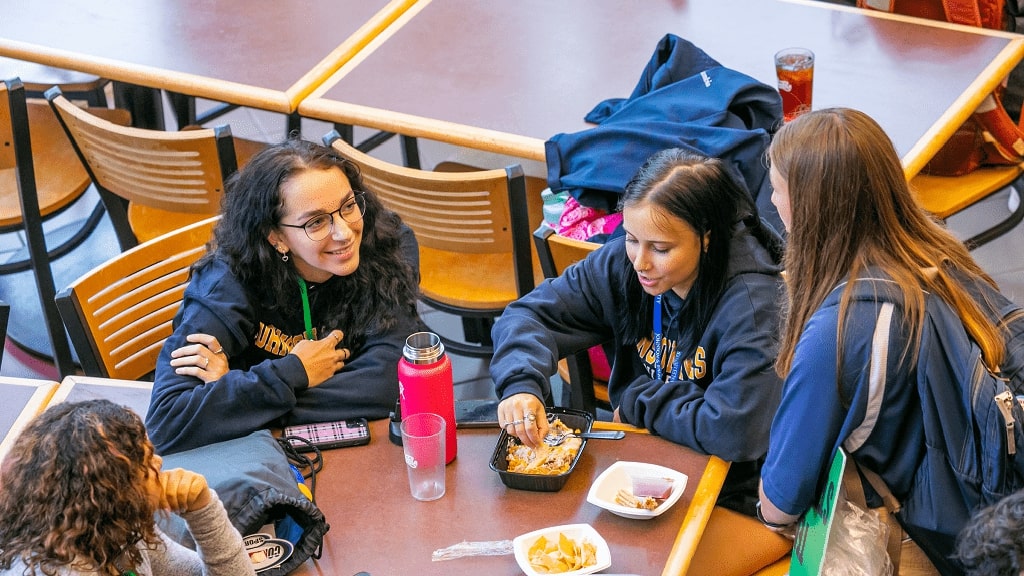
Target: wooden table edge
[
  {"x": 900, "y": 17},
  {"x": 697, "y": 517},
  {"x": 417, "y": 126},
  {"x": 220, "y": 90},
  {"x": 346, "y": 51},
  {"x": 940, "y": 132}
]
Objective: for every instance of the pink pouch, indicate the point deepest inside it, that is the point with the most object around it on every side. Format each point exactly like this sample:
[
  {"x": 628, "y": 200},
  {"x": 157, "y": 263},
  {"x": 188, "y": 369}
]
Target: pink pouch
[{"x": 582, "y": 223}]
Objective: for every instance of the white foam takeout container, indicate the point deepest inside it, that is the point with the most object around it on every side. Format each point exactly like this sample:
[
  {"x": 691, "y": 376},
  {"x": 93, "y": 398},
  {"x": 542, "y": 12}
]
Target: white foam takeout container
[
  {"x": 619, "y": 476},
  {"x": 578, "y": 532}
]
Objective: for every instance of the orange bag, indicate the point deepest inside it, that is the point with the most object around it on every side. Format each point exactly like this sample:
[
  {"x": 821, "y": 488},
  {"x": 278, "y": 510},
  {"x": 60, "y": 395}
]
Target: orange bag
[
  {"x": 980, "y": 13},
  {"x": 989, "y": 136}
]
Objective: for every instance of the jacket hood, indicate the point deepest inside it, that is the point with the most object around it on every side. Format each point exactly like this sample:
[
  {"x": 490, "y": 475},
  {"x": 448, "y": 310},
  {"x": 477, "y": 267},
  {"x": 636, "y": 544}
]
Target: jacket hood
[{"x": 754, "y": 251}]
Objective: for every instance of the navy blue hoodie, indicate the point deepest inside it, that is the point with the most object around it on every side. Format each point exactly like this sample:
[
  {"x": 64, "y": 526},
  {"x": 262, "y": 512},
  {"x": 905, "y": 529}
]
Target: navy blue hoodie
[
  {"x": 265, "y": 386},
  {"x": 727, "y": 394}
]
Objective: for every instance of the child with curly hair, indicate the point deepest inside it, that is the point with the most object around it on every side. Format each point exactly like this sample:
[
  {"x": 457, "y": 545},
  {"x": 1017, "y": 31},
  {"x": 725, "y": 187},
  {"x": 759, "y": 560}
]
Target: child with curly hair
[
  {"x": 992, "y": 543},
  {"x": 80, "y": 490}
]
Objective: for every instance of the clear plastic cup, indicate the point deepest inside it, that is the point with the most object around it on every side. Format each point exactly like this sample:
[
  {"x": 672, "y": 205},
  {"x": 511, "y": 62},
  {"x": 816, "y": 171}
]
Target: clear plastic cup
[
  {"x": 795, "y": 69},
  {"x": 423, "y": 440}
]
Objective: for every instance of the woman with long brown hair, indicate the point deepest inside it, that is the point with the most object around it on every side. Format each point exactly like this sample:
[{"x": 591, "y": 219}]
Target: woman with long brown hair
[{"x": 862, "y": 262}]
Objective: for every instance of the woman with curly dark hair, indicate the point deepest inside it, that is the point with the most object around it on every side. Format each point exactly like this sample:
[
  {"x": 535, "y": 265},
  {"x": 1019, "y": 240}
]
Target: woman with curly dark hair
[
  {"x": 299, "y": 312},
  {"x": 80, "y": 490}
]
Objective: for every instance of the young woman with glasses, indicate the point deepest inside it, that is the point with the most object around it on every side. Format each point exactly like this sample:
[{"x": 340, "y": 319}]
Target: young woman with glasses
[{"x": 299, "y": 312}]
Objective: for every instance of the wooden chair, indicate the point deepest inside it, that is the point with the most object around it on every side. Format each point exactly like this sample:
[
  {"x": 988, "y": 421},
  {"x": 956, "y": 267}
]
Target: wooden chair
[
  {"x": 40, "y": 178},
  {"x": 152, "y": 181},
  {"x": 556, "y": 253},
  {"x": 944, "y": 196},
  {"x": 119, "y": 314},
  {"x": 473, "y": 230}
]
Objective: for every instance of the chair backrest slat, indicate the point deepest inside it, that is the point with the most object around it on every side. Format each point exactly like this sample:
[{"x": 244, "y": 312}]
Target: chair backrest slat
[
  {"x": 450, "y": 211},
  {"x": 119, "y": 314},
  {"x": 174, "y": 171}
]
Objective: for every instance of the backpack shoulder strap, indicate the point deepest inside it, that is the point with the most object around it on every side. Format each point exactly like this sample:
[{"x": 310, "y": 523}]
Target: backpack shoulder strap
[
  {"x": 854, "y": 488},
  {"x": 963, "y": 12},
  {"x": 876, "y": 379}
]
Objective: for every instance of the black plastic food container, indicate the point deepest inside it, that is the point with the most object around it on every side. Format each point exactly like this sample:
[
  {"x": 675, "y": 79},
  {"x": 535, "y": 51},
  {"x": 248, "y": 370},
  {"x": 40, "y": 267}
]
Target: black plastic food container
[{"x": 575, "y": 419}]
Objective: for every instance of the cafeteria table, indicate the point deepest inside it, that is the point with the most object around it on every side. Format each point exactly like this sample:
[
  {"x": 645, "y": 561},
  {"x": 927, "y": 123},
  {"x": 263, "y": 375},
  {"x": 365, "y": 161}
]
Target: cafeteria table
[
  {"x": 24, "y": 398},
  {"x": 504, "y": 77},
  {"x": 266, "y": 55},
  {"x": 377, "y": 526},
  {"x": 134, "y": 395}
]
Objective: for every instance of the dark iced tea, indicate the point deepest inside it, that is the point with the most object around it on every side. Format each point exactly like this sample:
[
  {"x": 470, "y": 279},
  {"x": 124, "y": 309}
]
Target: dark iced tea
[{"x": 795, "y": 69}]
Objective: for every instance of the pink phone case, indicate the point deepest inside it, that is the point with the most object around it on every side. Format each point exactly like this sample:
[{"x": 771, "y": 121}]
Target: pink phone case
[{"x": 323, "y": 435}]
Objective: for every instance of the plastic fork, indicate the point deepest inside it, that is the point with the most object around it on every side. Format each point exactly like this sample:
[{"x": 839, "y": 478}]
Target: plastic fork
[{"x": 556, "y": 439}]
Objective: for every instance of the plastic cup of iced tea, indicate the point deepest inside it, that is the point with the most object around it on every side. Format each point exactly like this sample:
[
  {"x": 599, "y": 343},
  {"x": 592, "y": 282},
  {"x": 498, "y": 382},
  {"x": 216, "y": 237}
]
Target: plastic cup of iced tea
[{"x": 795, "y": 69}]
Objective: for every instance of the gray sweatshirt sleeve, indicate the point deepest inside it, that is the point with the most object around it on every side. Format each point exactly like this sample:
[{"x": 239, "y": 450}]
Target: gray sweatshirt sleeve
[{"x": 221, "y": 552}]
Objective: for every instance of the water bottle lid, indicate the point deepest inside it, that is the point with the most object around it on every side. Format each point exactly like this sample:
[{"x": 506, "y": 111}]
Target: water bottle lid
[{"x": 423, "y": 348}]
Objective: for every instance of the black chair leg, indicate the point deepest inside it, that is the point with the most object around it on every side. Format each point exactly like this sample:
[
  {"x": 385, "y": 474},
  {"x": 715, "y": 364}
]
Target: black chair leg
[
  {"x": 478, "y": 330},
  {"x": 145, "y": 105},
  {"x": 410, "y": 152}
]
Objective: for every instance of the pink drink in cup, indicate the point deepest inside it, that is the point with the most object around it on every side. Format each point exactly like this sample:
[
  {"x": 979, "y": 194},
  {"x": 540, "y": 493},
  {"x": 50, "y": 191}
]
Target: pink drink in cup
[{"x": 795, "y": 69}]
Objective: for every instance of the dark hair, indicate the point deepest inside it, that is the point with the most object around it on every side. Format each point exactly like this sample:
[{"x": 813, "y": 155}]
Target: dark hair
[
  {"x": 368, "y": 301},
  {"x": 75, "y": 490},
  {"x": 992, "y": 542},
  {"x": 699, "y": 191}
]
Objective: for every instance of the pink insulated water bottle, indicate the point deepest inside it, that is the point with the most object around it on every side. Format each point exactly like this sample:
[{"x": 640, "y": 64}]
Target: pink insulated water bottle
[{"x": 425, "y": 383}]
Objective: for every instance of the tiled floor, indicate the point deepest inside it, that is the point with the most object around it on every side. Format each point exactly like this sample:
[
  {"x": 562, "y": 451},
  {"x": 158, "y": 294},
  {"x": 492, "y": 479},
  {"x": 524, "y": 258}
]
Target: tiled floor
[{"x": 1000, "y": 258}]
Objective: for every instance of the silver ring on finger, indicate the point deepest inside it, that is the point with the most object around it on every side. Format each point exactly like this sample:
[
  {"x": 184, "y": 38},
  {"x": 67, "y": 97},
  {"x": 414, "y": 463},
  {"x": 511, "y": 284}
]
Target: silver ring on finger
[
  {"x": 516, "y": 422},
  {"x": 218, "y": 350},
  {"x": 530, "y": 417},
  {"x": 206, "y": 362}
]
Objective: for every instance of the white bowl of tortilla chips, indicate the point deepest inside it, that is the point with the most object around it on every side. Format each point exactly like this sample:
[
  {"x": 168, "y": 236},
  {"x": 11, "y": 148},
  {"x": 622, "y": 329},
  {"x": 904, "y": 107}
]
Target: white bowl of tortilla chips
[{"x": 569, "y": 550}]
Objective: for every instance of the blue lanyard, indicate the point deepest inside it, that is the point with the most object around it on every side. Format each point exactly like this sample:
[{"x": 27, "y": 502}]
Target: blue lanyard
[{"x": 677, "y": 361}]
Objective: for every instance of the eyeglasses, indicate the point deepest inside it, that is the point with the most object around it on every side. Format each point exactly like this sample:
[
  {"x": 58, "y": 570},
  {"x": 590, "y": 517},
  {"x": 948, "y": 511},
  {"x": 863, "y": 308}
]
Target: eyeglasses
[{"x": 322, "y": 225}]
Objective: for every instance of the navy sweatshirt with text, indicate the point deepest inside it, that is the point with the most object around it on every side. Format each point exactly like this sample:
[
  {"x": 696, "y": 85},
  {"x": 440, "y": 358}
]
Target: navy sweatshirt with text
[{"x": 726, "y": 395}]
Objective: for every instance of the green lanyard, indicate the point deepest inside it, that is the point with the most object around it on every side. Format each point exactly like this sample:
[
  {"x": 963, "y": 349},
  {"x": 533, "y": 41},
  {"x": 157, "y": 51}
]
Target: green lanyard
[{"x": 305, "y": 309}]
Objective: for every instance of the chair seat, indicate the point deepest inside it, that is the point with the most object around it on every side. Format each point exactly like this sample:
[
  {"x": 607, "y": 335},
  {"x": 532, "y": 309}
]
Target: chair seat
[
  {"x": 148, "y": 223},
  {"x": 60, "y": 177},
  {"x": 491, "y": 288},
  {"x": 779, "y": 568},
  {"x": 944, "y": 196}
]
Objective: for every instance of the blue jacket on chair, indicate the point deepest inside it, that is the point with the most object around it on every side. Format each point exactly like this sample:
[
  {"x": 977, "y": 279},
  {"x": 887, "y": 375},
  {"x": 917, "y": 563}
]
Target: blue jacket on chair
[{"x": 684, "y": 99}]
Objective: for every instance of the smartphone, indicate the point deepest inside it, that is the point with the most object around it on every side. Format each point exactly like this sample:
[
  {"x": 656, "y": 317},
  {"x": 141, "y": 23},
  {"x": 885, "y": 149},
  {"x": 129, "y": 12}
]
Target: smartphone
[
  {"x": 476, "y": 413},
  {"x": 325, "y": 435}
]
